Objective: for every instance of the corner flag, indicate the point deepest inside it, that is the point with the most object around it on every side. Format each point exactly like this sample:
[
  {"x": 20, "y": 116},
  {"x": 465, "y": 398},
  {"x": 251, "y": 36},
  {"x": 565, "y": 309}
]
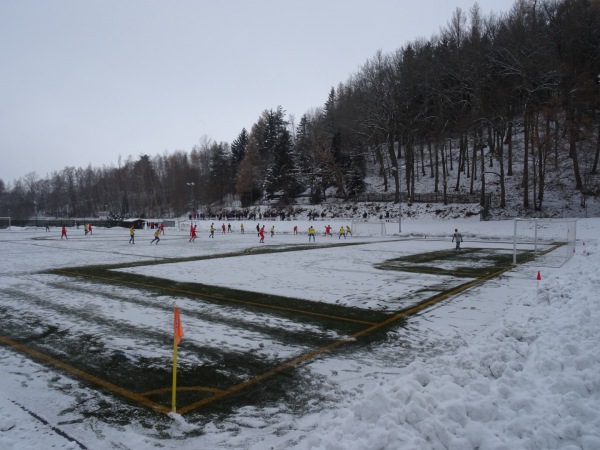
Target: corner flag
[{"x": 177, "y": 328}]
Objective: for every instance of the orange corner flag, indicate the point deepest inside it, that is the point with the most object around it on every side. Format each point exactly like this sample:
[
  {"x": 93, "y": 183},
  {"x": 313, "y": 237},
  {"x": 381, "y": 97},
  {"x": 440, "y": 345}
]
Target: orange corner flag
[{"x": 177, "y": 328}]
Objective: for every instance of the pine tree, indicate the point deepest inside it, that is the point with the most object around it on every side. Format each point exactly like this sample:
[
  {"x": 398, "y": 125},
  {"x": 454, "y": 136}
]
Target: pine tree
[
  {"x": 221, "y": 180},
  {"x": 282, "y": 174},
  {"x": 238, "y": 150}
]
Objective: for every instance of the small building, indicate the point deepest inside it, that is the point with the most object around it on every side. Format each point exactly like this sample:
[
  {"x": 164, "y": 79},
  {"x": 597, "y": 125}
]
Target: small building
[{"x": 138, "y": 224}]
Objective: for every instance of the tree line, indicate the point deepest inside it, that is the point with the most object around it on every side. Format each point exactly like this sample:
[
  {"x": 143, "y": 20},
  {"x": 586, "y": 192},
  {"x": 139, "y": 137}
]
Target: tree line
[{"x": 484, "y": 100}]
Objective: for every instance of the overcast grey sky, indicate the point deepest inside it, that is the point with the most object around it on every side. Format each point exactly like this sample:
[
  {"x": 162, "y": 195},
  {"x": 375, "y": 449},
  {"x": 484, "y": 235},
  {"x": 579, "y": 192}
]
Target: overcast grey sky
[{"x": 84, "y": 82}]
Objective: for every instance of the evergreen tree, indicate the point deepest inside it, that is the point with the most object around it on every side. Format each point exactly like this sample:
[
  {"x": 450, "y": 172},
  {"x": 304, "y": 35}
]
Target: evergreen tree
[
  {"x": 221, "y": 179},
  {"x": 238, "y": 150},
  {"x": 271, "y": 124},
  {"x": 282, "y": 174}
]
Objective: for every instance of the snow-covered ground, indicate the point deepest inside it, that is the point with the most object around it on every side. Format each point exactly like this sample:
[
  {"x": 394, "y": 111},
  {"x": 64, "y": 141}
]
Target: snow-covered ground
[{"x": 513, "y": 363}]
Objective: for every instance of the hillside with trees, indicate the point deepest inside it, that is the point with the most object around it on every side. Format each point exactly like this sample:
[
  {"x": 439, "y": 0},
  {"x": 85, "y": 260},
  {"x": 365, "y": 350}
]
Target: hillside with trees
[{"x": 501, "y": 110}]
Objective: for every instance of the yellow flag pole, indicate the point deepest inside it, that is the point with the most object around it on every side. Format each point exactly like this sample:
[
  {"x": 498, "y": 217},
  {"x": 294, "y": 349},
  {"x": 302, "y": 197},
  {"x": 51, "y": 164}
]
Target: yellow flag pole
[
  {"x": 177, "y": 335},
  {"x": 174, "y": 388}
]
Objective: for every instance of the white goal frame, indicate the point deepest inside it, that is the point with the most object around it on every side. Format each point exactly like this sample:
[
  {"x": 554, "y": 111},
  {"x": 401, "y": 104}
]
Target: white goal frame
[
  {"x": 8, "y": 222},
  {"x": 533, "y": 234},
  {"x": 366, "y": 228}
]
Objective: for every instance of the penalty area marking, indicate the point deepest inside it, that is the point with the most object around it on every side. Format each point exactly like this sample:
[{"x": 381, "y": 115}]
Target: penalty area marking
[{"x": 214, "y": 297}]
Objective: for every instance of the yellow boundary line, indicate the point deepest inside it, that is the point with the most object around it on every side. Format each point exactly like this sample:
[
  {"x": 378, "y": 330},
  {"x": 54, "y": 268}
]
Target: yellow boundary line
[
  {"x": 218, "y": 394},
  {"x": 181, "y": 389},
  {"x": 214, "y": 297},
  {"x": 85, "y": 376},
  {"x": 294, "y": 362}
]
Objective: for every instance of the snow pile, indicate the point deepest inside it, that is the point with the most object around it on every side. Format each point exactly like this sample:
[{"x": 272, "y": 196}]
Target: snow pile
[{"x": 532, "y": 384}]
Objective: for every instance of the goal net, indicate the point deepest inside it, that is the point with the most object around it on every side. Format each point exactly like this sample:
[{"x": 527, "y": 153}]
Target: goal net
[
  {"x": 550, "y": 241},
  {"x": 184, "y": 225},
  {"x": 365, "y": 228}
]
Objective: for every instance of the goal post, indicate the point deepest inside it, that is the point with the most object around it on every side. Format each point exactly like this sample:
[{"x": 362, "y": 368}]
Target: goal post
[{"x": 540, "y": 237}]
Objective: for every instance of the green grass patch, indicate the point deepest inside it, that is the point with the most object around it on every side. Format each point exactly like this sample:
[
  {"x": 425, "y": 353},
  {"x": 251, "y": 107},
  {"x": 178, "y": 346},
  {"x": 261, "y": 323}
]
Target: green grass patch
[{"x": 468, "y": 263}]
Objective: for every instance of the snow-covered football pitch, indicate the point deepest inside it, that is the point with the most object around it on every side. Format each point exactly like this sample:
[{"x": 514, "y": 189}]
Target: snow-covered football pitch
[{"x": 101, "y": 310}]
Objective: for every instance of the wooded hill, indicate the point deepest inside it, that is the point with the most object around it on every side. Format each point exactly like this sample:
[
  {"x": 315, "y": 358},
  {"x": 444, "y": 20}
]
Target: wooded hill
[{"x": 489, "y": 101}]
